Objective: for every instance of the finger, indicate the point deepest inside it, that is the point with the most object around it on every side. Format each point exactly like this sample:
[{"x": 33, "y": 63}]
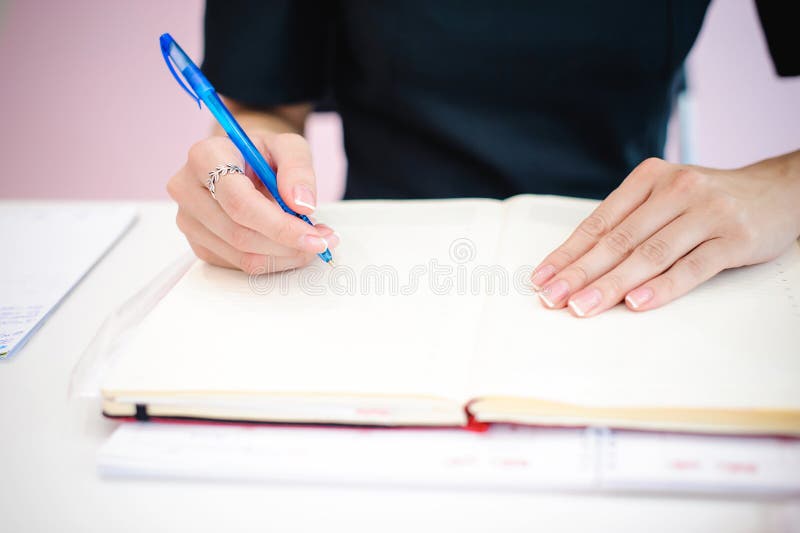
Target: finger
[
  {"x": 195, "y": 202},
  {"x": 246, "y": 206},
  {"x": 192, "y": 227},
  {"x": 261, "y": 146},
  {"x": 699, "y": 265},
  {"x": 631, "y": 193},
  {"x": 200, "y": 206},
  {"x": 208, "y": 256},
  {"x": 260, "y": 264},
  {"x": 649, "y": 259},
  {"x": 201, "y": 237},
  {"x": 197, "y": 234},
  {"x": 332, "y": 237},
  {"x": 613, "y": 248},
  {"x": 204, "y": 156},
  {"x": 296, "y": 179}
]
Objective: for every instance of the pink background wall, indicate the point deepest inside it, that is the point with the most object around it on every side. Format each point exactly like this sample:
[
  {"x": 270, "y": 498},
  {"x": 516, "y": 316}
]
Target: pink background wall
[{"x": 88, "y": 109}]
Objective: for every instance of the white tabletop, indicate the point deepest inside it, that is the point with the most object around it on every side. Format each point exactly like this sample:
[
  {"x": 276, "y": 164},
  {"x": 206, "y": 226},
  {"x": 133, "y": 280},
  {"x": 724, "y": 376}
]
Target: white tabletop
[{"x": 48, "y": 480}]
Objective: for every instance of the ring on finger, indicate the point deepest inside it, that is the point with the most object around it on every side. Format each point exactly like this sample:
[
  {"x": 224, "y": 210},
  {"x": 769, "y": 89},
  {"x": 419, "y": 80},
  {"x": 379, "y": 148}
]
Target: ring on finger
[{"x": 216, "y": 174}]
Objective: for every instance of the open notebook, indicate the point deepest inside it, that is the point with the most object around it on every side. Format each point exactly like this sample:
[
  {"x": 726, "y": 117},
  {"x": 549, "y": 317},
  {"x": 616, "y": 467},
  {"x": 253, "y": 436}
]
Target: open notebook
[{"x": 428, "y": 319}]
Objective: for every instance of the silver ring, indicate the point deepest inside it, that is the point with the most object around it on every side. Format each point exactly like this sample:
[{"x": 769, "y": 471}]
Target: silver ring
[{"x": 217, "y": 173}]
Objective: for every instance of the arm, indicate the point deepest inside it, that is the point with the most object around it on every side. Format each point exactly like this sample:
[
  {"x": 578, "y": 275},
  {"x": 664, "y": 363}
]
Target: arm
[
  {"x": 242, "y": 228},
  {"x": 667, "y": 228}
]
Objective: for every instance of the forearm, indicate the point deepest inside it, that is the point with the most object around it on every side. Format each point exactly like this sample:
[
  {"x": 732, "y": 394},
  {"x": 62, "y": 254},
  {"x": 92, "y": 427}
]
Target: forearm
[{"x": 279, "y": 119}]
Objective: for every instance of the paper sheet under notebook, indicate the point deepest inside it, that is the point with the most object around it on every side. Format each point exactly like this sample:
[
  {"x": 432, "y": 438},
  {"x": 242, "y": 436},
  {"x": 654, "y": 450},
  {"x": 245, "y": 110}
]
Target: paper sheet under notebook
[
  {"x": 47, "y": 249},
  {"x": 518, "y": 458}
]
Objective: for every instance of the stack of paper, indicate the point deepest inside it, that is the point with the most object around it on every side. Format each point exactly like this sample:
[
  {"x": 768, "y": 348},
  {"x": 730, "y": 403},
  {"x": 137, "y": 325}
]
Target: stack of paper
[
  {"x": 48, "y": 250},
  {"x": 508, "y": 457}
]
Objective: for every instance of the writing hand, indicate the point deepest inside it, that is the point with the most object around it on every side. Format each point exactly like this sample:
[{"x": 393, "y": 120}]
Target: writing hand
[{"x": 244, "y": 227}]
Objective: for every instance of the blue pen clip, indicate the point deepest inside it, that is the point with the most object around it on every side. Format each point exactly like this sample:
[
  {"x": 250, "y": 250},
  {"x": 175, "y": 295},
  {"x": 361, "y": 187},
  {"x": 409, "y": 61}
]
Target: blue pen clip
[{"x": 170, "y": 47}]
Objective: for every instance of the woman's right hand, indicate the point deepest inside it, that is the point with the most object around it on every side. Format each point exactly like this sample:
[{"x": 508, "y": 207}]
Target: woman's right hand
[{"x": 244, "y": 227}]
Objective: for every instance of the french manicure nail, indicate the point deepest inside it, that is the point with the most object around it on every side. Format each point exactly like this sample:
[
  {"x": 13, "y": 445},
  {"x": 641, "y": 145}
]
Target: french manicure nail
[
  {"x": 638, "y": 297},
  {"x": 314, "y": 243},
  {"x": 304, "y": 197},
  {"x": 586, "y": 300},
  {"x": 542, "y": 275},
  {"x": 554, "y": 293},
  {"x": 332, "y": 237}
]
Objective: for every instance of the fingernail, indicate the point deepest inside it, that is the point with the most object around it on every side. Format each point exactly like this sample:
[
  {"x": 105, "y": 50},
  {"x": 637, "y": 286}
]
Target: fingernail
[
  {"x": 315, "y": 244},
  {"x": 304, "y": 197},
  {"x": 554, "y": 293},
  {"x": 638, "y": 297},
  {"x": 586, "y": 300},
  {"x": 324, "y": 229},
  {"x": 327, "y": 233},
  {"x": 542, "y": 275},
  {"x": 333, "y": 240}
]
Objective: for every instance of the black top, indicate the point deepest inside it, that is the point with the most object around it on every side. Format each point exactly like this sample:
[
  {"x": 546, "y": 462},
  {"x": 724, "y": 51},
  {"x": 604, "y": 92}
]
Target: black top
[{"x": 443, "y": 98}]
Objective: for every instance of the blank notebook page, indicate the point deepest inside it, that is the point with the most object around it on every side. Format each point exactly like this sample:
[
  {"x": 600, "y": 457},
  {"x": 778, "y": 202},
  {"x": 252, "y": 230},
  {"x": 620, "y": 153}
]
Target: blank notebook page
[
  {"x": 319, "y": 330},
  {"x": 734, "y": 342}
]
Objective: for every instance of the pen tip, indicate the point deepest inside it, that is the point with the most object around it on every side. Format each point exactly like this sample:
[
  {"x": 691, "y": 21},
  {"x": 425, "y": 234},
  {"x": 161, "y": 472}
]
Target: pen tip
[{"x": 332, "y": 263}]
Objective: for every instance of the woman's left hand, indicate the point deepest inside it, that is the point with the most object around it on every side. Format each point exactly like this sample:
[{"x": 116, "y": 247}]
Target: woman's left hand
[{"x": 667, "y": 228}]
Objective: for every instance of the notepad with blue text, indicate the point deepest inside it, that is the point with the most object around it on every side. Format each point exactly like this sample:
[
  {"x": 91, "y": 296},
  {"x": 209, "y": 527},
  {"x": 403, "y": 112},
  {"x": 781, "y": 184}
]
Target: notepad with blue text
[{"x": 429, "y": 320}]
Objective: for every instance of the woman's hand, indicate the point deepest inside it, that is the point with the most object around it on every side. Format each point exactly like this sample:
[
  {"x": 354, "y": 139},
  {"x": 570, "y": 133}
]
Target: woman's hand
[
  {"x": 244, "y": 228},
  {"x": 667, "y": 228}
]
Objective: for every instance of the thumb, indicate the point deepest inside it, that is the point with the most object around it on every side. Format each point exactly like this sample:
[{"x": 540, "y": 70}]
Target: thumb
[{"x": 297, "y": 184}]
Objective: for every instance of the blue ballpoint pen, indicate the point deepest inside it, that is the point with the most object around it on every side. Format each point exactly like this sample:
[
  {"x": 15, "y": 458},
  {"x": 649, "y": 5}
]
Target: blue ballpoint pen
[{"x": 204, "y": 92}]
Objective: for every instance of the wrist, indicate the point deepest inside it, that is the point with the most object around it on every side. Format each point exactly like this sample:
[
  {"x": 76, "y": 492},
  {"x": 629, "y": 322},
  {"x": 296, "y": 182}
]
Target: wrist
[
  {"x": 782, "y": 173},
  {"x": 267, "y": 121},
  {"x": 779, "y": 179},
  {"x": 784, "y": 168}
]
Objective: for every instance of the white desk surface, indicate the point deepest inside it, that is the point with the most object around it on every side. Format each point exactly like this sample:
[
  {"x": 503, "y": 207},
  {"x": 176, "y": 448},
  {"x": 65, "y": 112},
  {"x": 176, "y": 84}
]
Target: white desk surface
[{"x": 48, "y": 442}]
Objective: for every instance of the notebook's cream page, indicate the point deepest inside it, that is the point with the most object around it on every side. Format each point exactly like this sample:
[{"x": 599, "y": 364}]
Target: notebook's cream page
[
  {"x": 732, "y": 343},
  {"x": 390, "y": 319}
]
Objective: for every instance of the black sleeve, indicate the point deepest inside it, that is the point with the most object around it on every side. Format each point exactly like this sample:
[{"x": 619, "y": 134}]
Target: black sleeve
[
  {"x": 781, "y": 24},
  {"x": 268, "y": 52}
]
